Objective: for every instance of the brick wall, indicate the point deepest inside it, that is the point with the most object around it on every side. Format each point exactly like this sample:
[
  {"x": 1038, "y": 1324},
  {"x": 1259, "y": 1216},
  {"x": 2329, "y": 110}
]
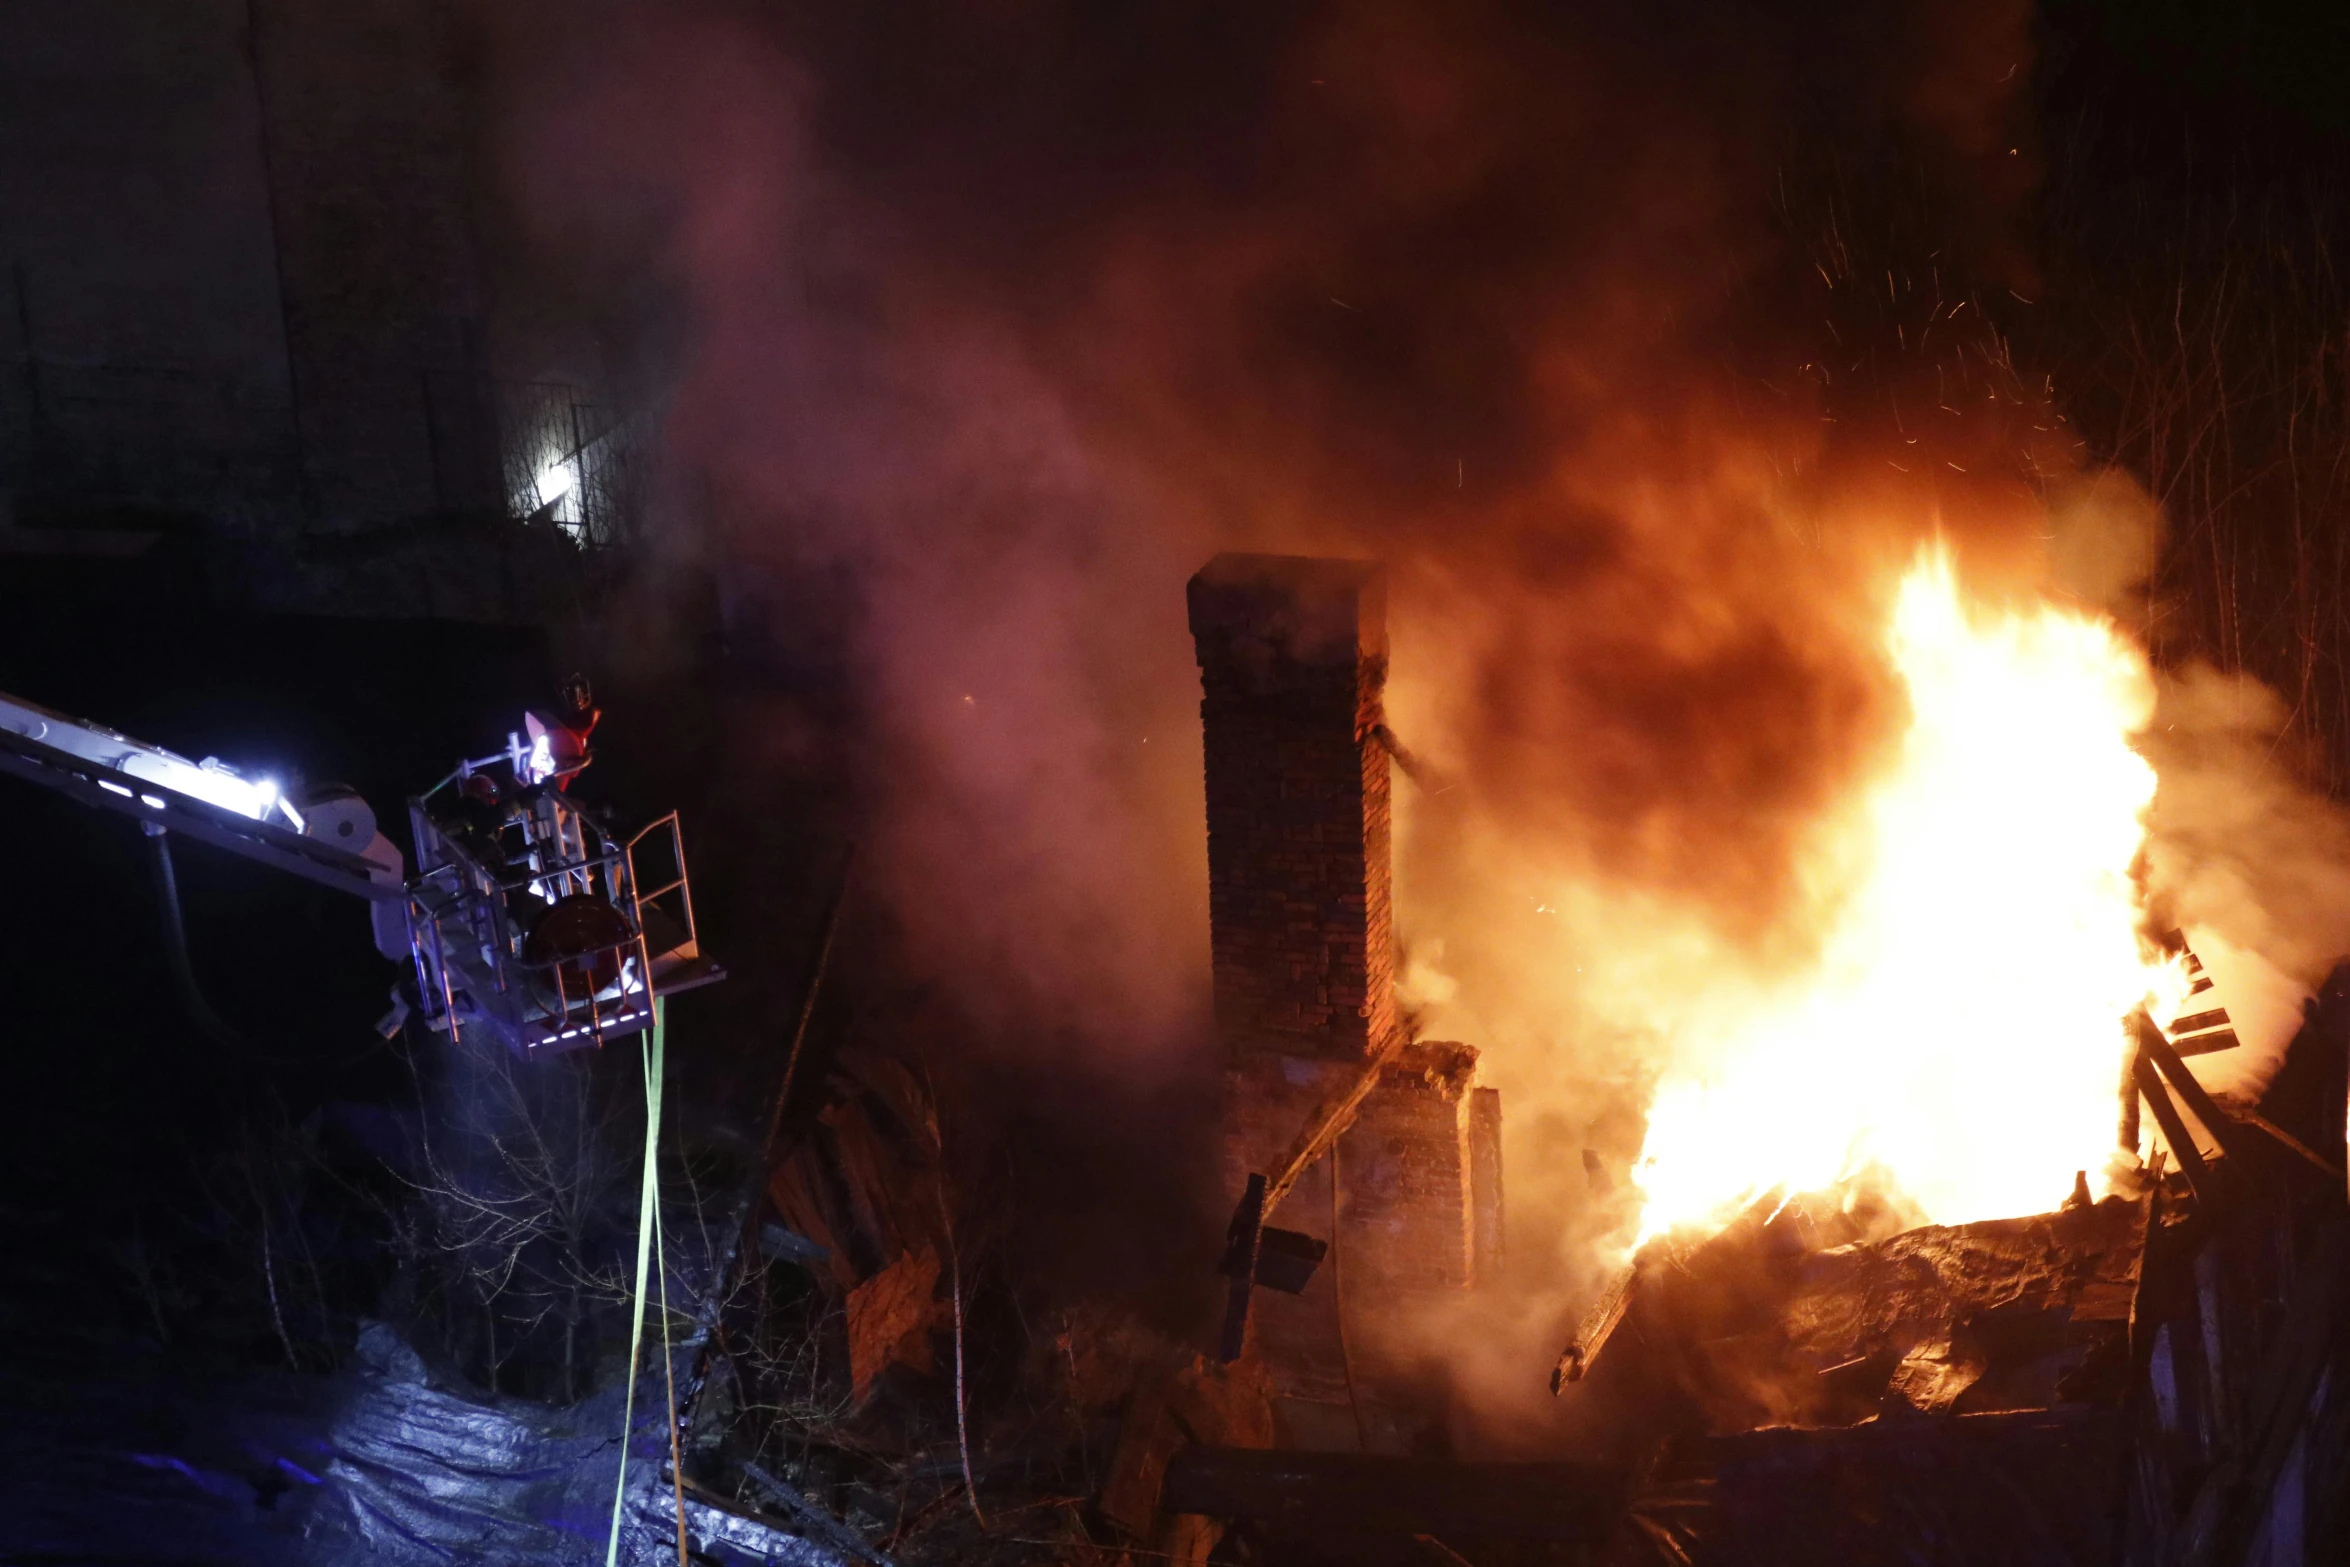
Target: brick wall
[
  {"x": 1406, "y": 1199},
  {"x": 1406, "y": 1218},
  {"x": 1293, "y": 666}
]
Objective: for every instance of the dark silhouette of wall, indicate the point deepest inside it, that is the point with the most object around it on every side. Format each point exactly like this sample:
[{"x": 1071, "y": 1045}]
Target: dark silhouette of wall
[{"x": 239, "y": 290}]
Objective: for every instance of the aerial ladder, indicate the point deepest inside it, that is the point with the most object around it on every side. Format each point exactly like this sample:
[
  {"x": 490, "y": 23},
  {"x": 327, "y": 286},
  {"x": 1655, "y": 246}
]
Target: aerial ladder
[{"x": 525, "y": 918}]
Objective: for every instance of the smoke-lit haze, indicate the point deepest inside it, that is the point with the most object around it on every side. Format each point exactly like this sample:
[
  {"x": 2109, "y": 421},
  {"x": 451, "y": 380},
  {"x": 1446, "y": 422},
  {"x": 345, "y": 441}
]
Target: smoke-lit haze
[{"x": 1645, "y": 342}]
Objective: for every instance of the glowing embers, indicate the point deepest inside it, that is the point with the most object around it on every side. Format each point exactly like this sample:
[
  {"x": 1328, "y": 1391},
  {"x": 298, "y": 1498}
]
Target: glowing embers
[
  {"x": 1801, "y": 1313},
  {"x": 1958, "y": 1046}
]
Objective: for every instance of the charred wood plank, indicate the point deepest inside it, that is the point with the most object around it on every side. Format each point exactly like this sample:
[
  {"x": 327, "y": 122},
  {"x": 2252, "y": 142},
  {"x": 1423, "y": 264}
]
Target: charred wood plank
[
  {"x": 725, "y": 1519},
  {"x": 2174, "y": 1129},
  {"x": 879, "y": 1187},
  {"x": 803, "y": 1200},
  {"x": 1441, "y": 1553},
  {"x": 2191, "y": 1092},
  {"x": 2289, "y": 1141},
  {"x": 1202, "y": 1403},
  {"x": 2131, "y": 1128},
  {"x": 819, "y": 1522},
  {"x": 1329, "y": 1122},
  {"x": 1241, "y": 1245},
  {"x": 1732, "y": 1245},
  {"x": 2215, "y": 1115},
  {"x": 1598, "y": 1326},
  {"x": 1316, "y": 1137},
  {"x": 2038, "y": 1487},
  {"x": 1286, "y": 1259},
  {"x": 2209, "y": 1042},
  {"x": 1571, "y": 1503}
]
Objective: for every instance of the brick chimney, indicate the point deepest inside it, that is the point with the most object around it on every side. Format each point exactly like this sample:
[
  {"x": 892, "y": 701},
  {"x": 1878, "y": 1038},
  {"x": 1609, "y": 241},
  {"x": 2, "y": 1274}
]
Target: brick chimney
[
  {"x": 1293, "y": 669},
  {"x": 1293, "y": 662}
]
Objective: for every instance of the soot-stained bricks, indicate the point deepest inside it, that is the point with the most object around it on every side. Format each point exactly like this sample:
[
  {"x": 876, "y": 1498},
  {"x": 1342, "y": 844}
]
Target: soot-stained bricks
[{"x": 1293, "y": 664}]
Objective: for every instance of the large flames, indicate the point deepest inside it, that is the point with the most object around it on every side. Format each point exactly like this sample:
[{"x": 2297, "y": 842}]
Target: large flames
[{"x": 1960, "y": 1039}]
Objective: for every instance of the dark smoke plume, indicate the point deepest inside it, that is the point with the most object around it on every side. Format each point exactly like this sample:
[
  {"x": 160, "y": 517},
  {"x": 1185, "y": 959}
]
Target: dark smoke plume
[
  {"x": 1012, "y": 313},
  {"x": 1645, "y": 342}
]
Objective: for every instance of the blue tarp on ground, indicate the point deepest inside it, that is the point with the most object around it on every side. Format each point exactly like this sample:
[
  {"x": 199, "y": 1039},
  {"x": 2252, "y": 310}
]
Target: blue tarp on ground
[{"x": 371, "y": 1464}]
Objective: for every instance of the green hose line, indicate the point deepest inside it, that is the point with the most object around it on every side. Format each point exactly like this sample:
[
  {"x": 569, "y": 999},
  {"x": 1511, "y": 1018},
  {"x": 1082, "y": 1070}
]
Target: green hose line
[{"x": 648, "y": 1226}]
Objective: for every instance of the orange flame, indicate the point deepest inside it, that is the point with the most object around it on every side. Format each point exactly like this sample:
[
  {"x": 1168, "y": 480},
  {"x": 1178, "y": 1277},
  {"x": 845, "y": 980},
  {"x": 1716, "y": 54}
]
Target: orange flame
[{"x": 1961, "y": 1037}]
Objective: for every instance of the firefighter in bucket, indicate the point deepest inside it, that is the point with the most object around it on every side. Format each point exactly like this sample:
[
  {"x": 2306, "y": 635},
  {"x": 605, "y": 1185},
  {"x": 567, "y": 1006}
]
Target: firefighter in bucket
[
  {"x": 556, "y": 952},
  {"x": 559, "y": 735}
]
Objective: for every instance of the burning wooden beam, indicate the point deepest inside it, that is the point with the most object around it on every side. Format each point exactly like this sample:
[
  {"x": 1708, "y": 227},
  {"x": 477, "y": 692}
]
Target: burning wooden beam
[
  {"x": 2174, "y": 1129},
  {"x": 2216, "y": 1117},
  {"x": 1607, "y": 1313},
  {"x": 2203, "y": 1032},
  {"x": 1598, "y": 1326},
  {"x": 2157, "y": 1050}
]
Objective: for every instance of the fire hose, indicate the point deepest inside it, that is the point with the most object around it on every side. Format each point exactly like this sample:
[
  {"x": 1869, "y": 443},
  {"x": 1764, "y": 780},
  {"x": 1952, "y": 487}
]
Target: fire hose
[
  {"x": 183, "y": 970},
  {"x": 649, "y": 1255}
]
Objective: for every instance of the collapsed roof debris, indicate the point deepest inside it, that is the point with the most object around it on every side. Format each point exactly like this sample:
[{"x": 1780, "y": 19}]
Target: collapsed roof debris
[{"x": 2144, "y": 1379}]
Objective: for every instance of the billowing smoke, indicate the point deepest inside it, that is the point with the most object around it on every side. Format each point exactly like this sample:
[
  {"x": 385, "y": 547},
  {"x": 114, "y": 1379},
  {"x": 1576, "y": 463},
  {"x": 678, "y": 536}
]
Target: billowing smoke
[
  {"x": 1644, "y": 341},
  {"x": 2243, "y": 853},
  {"x": 1006, "y": 316}
]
